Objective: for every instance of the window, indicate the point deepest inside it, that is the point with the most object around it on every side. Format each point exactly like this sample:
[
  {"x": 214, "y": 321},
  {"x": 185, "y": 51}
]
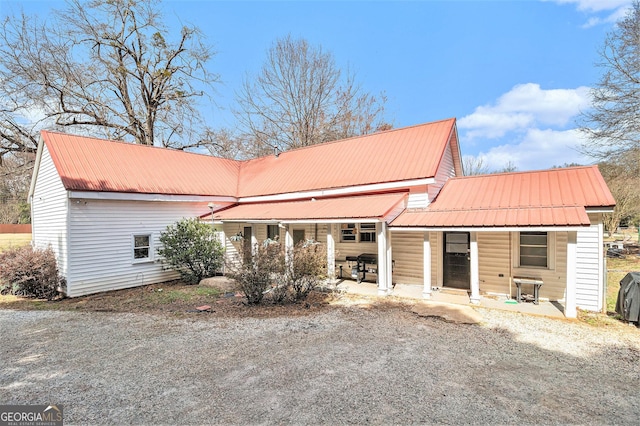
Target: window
[
  {"x": 141, "y": 247},
  {"x": 273, "y": 232},
  {"x": 368, "y": 233},
  {"x": 533, "y": 249},
  {"x": 348, "y": 232}
]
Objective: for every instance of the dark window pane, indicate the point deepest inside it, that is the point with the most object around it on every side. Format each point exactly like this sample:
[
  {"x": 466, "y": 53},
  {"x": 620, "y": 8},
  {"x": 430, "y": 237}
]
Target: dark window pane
[
  {"x": 141, "y": 253},
  {"x": 141, "y": 241}
]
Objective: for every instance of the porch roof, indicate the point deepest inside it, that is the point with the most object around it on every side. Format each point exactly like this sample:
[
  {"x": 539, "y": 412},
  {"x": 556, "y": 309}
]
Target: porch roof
[
  {"x": 365, "y": 207},
  {"x": 556, "y": 197},
  {"x": 480, "y": 218}
]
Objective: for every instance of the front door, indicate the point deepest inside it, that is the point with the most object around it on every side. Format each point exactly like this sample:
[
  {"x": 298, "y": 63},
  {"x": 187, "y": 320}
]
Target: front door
[{"x": 456, "y": 271}]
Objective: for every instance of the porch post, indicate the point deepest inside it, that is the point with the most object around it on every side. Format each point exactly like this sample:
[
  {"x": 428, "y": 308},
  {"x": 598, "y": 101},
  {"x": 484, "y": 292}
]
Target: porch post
[
  {"x": 288, "y": 245},
  {"x": 570, "y": 310},
  {"x": 331, "y": 253},
  {"x": 475, "y": 274},
  {"x": 389, "y": 259},
  {"x": 383, "y": 287},
  {"x": 426, "y": 265},
  {"x": 254, "y": 239}
]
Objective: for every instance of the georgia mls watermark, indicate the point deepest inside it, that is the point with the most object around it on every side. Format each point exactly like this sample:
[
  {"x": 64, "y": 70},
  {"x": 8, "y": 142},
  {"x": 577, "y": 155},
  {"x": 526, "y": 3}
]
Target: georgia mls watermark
[{"x": 31, "y": 415}]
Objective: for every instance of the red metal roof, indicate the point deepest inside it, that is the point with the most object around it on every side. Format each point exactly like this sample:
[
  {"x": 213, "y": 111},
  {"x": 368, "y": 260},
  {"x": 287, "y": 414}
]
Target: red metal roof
[
  {"x": 390, "y": 156},
  {"x": 557, "y": 197},
  {"x": 90, "y": 164},
  {"x": 361, "y": 207}
]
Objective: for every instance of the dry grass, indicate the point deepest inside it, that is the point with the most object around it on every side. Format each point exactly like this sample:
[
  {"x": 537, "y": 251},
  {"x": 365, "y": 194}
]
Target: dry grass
[
  {"x": 174, "y": 298},
  {"x": 14, "y": 240},
  {"x": 616, "y": 270}
]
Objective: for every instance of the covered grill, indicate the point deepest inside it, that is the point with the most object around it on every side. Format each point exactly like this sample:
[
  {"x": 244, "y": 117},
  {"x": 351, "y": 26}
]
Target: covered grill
[{"x": 628, "y": 304}]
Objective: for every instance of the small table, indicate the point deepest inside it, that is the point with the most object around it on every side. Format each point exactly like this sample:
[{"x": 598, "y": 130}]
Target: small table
[{"x": 536, "y": 282}]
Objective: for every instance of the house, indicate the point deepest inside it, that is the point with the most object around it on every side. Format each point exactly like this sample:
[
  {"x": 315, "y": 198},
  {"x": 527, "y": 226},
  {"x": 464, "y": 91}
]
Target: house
[{"x": 399, "y": 197}]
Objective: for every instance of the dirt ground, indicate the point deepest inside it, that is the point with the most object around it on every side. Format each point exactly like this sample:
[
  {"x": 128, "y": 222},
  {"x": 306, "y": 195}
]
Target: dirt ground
[{"x": 329, "y": 361}]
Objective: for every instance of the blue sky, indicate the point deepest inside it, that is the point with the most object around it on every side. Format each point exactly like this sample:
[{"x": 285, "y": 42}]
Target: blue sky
[{"x": 516, "y": 74}]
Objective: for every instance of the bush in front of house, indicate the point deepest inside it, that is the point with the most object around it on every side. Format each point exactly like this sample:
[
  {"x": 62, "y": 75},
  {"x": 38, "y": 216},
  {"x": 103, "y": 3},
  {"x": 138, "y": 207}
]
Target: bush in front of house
[
  {"x": 257, "y": 270},
  {"x": 30, "y": 272},
  {"x": 279, "y": 275},
  {"x": 308, "y": 268},
  {"x": 192, "y": 248}
]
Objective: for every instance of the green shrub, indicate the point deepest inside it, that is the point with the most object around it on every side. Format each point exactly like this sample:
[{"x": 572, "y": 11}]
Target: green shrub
[
  {"x": 192, "y": 249},
  {"x": 29, "y": 272}
]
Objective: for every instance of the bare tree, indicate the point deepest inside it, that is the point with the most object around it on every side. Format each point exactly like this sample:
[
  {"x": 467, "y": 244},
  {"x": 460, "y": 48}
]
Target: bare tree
[
  {"x": 301, "y": 98},
  {"x": 623, "y": 179},
  {"x": 612, "y": 125},
  {"x": 510, "y": 167},
  {"x": 15, "y": 175},
  {"x": 104, "y": 67},
  {"x": 474, "y": 165}
]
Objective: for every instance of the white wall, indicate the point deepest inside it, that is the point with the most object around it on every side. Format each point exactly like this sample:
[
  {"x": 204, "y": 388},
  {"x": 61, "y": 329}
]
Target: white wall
[
  {"x": 101, "y": 242},
  {"x": 49, "y": 211},
  {"x": 445, "y": 171},
  {"x": 589, "y": 266}
]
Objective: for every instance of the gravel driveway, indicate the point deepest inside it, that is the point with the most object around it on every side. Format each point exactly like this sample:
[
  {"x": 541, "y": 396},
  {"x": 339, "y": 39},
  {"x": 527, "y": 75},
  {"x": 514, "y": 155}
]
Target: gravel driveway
[{"x": 348, "y": 365}]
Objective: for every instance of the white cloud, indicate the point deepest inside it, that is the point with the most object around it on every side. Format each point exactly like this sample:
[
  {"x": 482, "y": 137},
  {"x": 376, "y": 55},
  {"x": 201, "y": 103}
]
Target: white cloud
[
  {"x": 600, "y": 7},
  {"x": 595, "y": 5},
  {"x": 538, "y": 149},
  {"x": 523, "y": 107}
]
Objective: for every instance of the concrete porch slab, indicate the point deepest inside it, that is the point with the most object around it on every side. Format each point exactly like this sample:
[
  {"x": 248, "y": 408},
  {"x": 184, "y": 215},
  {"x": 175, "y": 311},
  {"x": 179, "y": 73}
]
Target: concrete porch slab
[{"x": 457, "y": 297}]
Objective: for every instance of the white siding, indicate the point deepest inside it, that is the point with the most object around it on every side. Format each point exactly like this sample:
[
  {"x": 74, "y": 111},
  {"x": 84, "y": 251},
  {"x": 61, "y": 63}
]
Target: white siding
[
  {"x": 445, "y": 171},
  {"x": 49, "y": 209},
  {"x": 418, "y": 198},
  {"x": 234, "y": 248},
  {"x": 589, "y": 264},
  {"x": 101, "y": 242},
  {"x": 407, "y": 256}
]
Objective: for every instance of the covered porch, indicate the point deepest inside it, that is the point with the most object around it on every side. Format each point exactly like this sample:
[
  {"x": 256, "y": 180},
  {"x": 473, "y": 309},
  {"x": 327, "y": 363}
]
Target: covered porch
[{"x": 545, "y": 308}]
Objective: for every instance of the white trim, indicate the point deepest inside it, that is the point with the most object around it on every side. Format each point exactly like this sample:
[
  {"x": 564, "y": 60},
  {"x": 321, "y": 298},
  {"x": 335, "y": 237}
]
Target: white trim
[
  {"x": 487, "y": 229},
  {"x": 36, "y": 169},
  {"x": 602, "y": 284},
  {"x": 354, "y": 190},
  {"x": 475, "y": 269},
  {"x": 148, "y": 259},
  {"x": 570, "y": 310},
  {"x": 331, "y": 253},
  {"x": 302, "y": 221},
  {"x": 132, "y": 196},
  {"x": 426, "y": 265},
  {"x": 599, "y": 210}
]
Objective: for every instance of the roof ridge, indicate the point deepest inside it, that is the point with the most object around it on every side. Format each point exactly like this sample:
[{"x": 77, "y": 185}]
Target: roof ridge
[
  {"x": 121, "y": 142},
  {"x": 519, "y": 172},
  {"x": 428, "y": 209},
  {"x": 351, "y": 138}
]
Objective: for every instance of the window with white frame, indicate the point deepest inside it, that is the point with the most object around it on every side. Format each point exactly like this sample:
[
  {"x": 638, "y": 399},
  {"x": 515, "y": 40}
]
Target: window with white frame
[
  {"x": 368, "y": 233},
  {"x": 142, "y": 247},
  {"x": 534, "y": 249}
]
